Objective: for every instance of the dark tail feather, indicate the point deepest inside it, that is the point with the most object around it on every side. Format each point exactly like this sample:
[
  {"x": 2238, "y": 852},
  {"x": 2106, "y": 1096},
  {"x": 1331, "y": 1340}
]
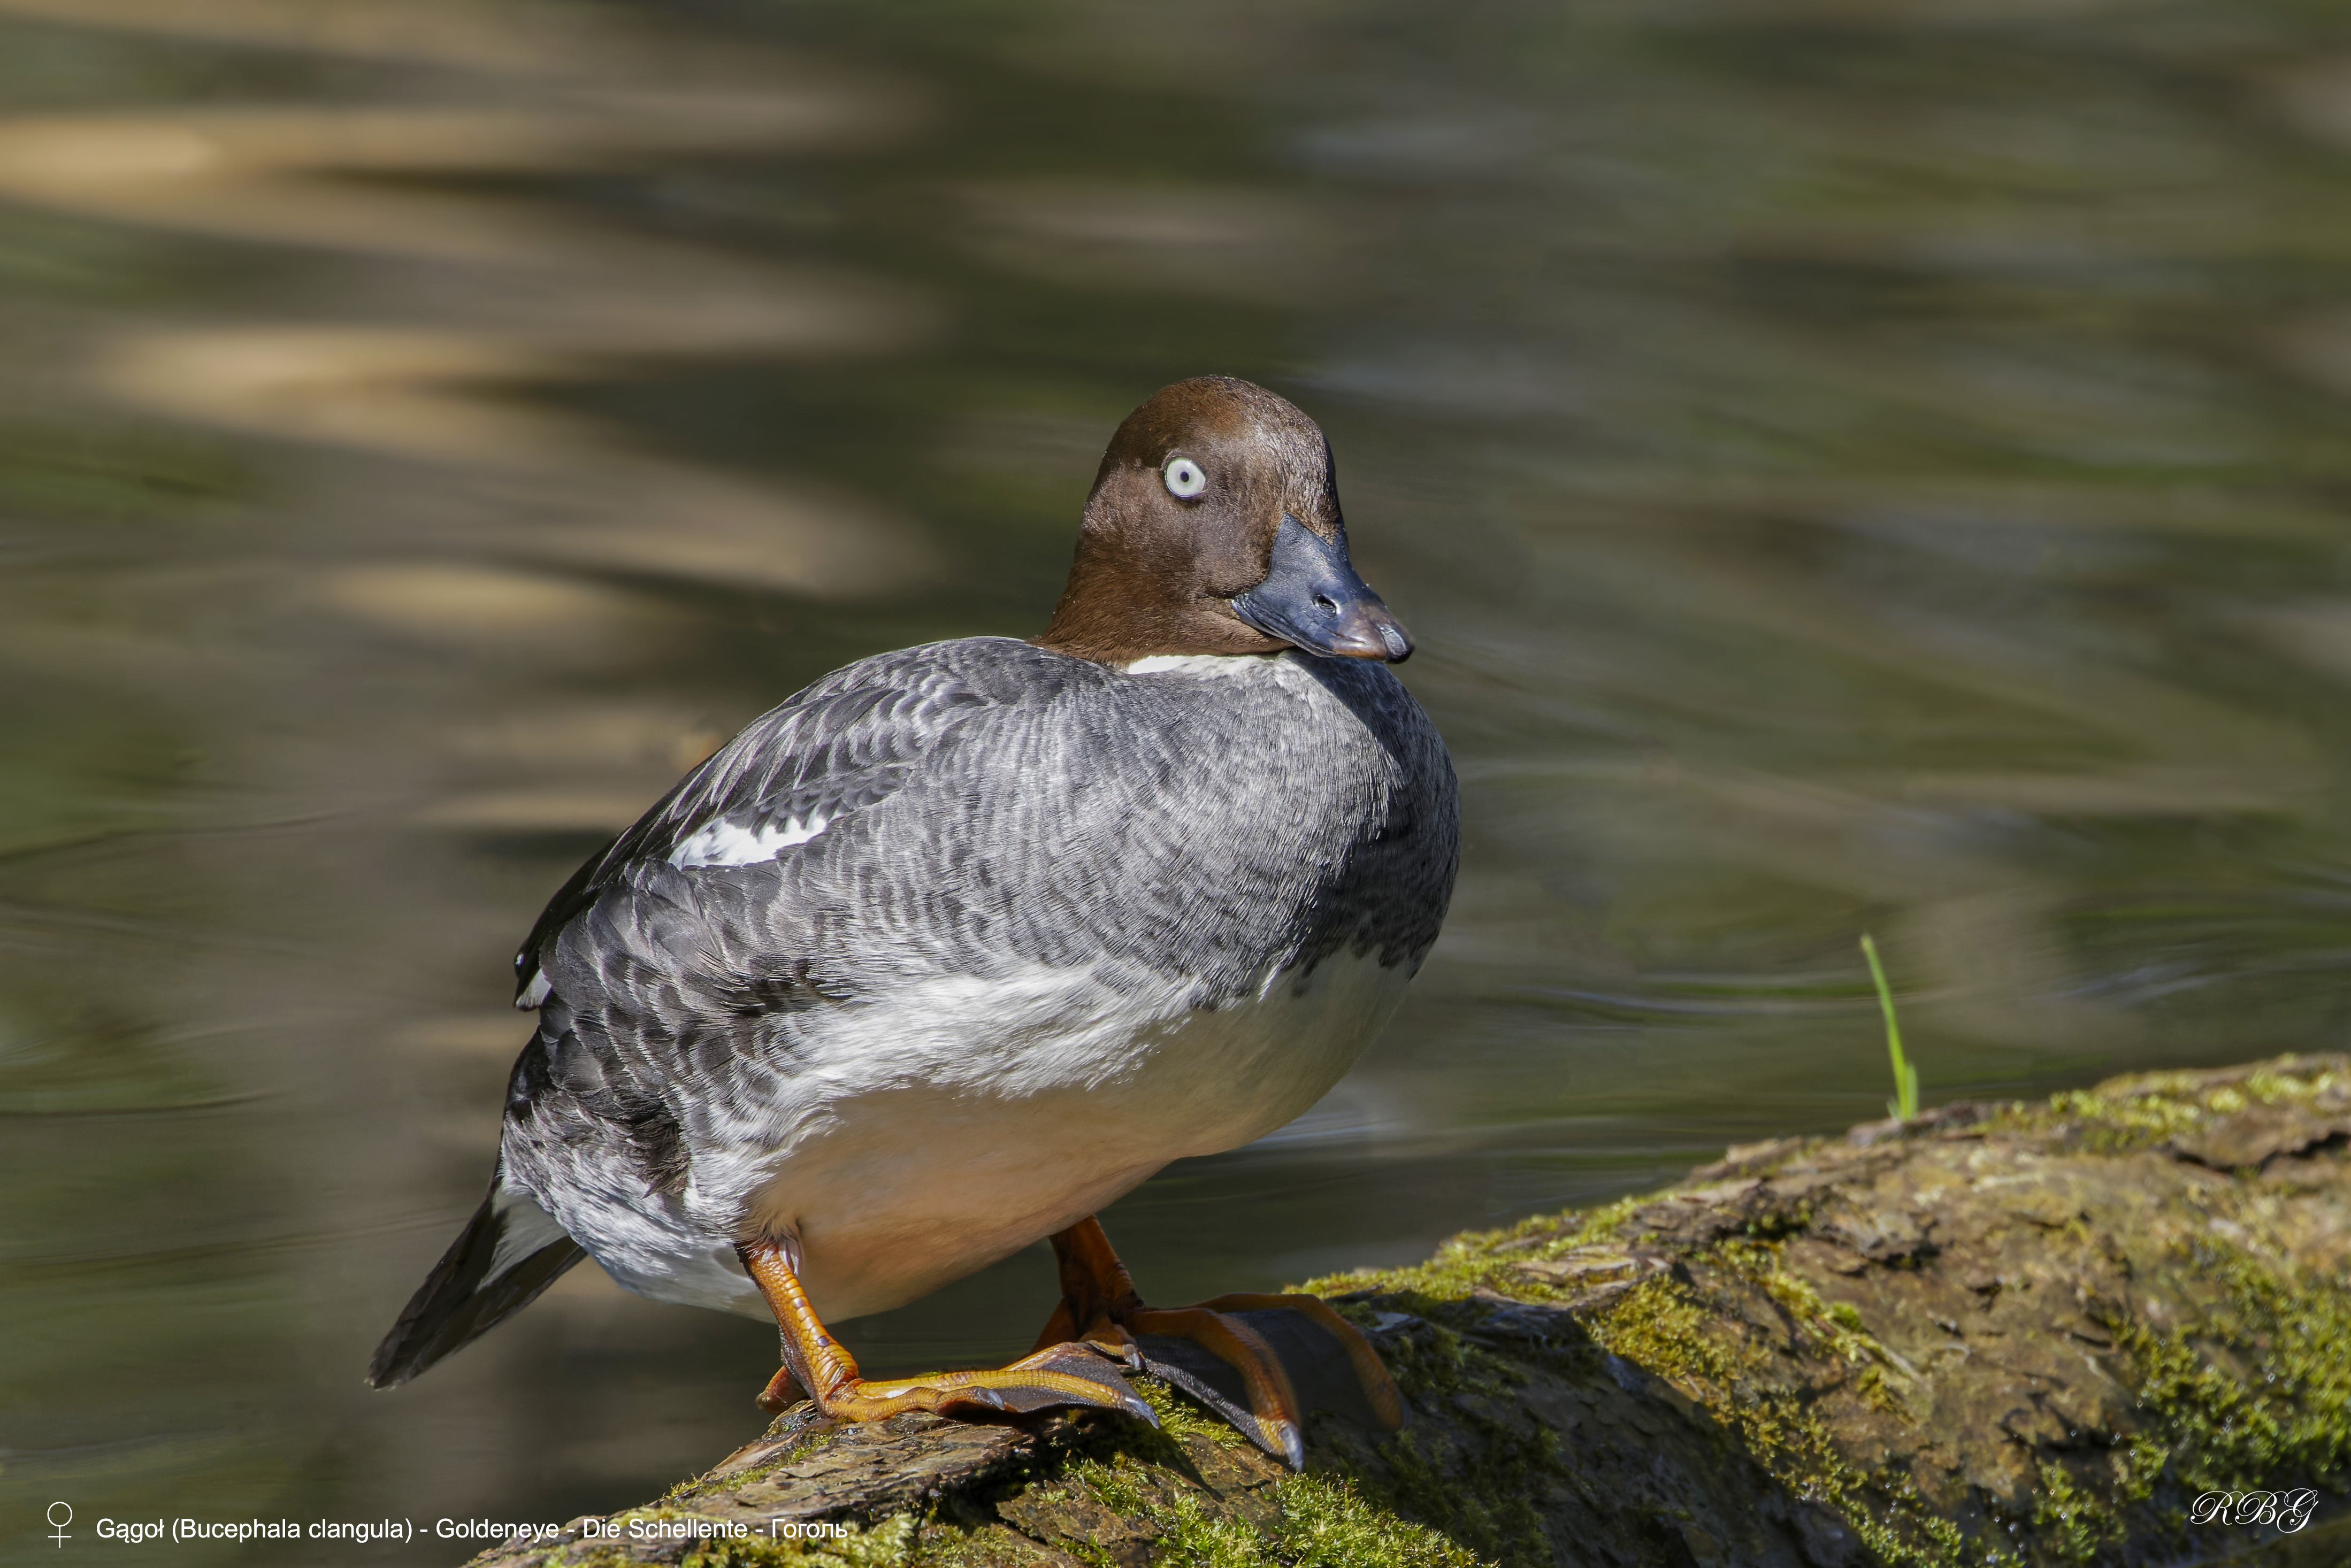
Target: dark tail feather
[{"x": 509, "y": 1253}]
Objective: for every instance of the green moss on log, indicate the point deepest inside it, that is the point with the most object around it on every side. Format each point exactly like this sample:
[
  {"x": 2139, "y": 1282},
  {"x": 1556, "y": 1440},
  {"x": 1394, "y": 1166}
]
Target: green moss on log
[{"x": 888, "y": 1544}]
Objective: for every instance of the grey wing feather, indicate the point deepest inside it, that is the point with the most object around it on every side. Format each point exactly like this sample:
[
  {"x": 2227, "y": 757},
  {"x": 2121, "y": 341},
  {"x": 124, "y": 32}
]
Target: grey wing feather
[{"x": 843, "y": 745}]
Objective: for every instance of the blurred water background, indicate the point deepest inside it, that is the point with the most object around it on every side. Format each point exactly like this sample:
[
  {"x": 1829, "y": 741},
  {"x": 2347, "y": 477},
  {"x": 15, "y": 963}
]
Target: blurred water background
[{"x": 1849, "y": 467}]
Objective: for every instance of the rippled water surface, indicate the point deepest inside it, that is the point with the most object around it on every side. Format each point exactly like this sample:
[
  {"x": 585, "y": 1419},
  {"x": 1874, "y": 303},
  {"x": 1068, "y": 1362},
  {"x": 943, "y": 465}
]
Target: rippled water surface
[{"x": 1849, "y": 468}]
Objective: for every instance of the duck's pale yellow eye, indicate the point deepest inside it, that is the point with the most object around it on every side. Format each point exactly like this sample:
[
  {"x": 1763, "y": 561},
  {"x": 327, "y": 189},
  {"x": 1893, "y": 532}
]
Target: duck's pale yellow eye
[{"x": 1183, "y": 477}]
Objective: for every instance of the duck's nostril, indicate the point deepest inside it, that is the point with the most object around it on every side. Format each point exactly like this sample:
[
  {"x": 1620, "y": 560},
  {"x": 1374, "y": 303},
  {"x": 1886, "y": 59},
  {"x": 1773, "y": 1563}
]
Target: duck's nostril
[{"x": 1327, "y": 602}]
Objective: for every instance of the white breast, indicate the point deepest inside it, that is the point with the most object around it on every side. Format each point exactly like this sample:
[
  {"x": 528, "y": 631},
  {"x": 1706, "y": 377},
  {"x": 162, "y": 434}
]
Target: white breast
[{"x": 968, "y": 1118}]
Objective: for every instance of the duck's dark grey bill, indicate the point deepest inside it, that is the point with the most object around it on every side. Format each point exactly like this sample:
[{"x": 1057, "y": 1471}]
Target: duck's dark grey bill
[{"x": 1312, "y": 599}]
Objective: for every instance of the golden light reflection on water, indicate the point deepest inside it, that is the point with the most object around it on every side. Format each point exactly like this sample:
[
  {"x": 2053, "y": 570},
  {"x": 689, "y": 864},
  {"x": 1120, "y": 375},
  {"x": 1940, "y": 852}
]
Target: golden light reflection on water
[
  {"x": 1219, "y": 242},
  {"x": 491, "y": 294},
  {"x": 1844, "y": 472}
]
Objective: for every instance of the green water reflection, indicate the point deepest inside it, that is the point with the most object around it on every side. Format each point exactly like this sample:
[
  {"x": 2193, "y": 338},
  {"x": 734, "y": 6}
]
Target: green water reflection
[{"x": 1847, "y": 469}]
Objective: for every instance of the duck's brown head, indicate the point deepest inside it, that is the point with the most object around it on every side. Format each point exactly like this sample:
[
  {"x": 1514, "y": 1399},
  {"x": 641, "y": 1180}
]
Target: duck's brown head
[{"x": 1213, "y": 527}]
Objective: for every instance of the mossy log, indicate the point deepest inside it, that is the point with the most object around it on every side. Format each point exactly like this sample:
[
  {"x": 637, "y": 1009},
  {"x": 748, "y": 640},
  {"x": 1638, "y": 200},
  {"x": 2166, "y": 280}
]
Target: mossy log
[{"x": 1996, "y": 1334}]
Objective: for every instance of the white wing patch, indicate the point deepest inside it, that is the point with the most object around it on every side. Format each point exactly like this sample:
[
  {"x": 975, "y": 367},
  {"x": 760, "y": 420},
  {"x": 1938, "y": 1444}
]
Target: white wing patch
[{"x": 725, "y": 843}]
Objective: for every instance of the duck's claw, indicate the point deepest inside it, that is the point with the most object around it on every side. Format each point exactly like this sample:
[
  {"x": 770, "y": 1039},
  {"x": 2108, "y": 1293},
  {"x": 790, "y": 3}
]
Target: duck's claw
[
  {"x": 783, "y": 1391},
  {"x": 1274, "y": 1415}
]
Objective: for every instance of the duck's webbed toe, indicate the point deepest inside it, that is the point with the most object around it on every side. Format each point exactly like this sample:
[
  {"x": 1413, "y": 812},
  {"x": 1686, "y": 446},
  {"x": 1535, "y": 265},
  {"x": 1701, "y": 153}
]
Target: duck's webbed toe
[
  {"x": 1061, "y": 1377},
  {"x": 1057, "y": 1376},
  {"x": 1244, "y": 1355}
]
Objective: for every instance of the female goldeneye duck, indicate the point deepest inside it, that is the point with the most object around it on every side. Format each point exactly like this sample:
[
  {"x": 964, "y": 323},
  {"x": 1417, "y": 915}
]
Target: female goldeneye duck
[{"x": 962, "y": 942}]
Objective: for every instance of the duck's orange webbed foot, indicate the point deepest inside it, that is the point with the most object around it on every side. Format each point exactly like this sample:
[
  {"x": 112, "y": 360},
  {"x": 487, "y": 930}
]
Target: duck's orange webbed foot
[
  {"x": 1099, "y": 1307},
  {"x": 1055, "y": 1376}
]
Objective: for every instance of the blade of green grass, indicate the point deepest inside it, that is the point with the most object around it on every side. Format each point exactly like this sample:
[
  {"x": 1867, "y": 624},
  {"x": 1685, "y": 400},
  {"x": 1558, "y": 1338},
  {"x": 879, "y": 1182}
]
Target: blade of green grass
[{"x": 1905, "y": 1104}]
